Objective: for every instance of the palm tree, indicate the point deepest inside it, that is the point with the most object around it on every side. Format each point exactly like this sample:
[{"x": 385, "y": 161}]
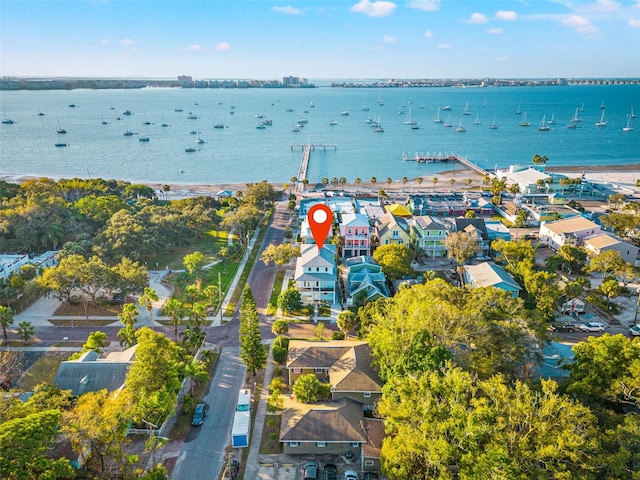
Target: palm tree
[
  {"x": 293, "y": 179},
  {"x": 419, "y": 180},
  {"x": 346, "y": 322},
  {"x": 26, "y": 331},
  {"x": 325, "y": 182},
  {"x": 305, "y": 182},
  {"x": 389, "y": 182},
  {"x": 373, "y": 183},
  {"x": 452, "y": 181},
  {"x": 196, "y": 371},
  {"x": 404, "y": 182},
  {"x": 435, "y": 181},
  {"x": 175, "y": 310},
  {"x": 166, "y": 189},
  {"x": 564, "y": 182},
  {"x": 514, "y": 188},
  {"x": 198, "y": 313},
  {"x": 6, "y": 320},
  {"x": 342, "y": 181},
  {"x": 129, "y": 315},
  {"x": 146, "y": 300},
  {"x": 469, "y": 182},
  {"x": 334, "y": 182},
  {"x": 357, "y": 183},
  {"x": 280, "y": 328}
]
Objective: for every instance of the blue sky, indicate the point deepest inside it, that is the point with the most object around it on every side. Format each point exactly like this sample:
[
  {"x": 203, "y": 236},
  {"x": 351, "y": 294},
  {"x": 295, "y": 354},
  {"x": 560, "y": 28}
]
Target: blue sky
[{"x": 267, "y": 39}]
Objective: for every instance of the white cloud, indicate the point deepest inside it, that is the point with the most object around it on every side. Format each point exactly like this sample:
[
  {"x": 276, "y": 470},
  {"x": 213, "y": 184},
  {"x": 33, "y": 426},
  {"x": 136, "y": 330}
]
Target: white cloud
[
  {"x": 389, "y": 39},
  {"x": 223, "y": 47},
  {"x": 194, "y": 48},
  {"x": 425, "y": 5},
  {"x": 105, "y": 41},
  {"x": 127, "y": 42},
  {"x": 581, "y": 24},
  {"x": 495, "y": 31},
  {"x": 599, "y": 6},
  {"x": 508, "y": 15},
  {"x": 477, "y": 18},
  {"x": 502, "y": 58},
  {"x": 380, "y": 8},
  {"x": 428, "y": 34},
  {"x": 288, "y": 10},
  {"x": 634, "y": 22},
  {"x": 444, "y": 46}
]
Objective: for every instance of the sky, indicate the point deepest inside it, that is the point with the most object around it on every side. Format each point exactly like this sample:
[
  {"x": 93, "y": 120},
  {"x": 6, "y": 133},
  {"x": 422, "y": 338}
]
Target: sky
[{"x": 330, "y": 39}]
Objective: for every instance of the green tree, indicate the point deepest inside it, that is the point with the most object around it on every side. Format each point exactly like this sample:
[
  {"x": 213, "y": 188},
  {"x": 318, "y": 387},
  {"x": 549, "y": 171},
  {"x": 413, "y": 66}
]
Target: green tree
[
  {"x": 6, "y": 320},
  {"x": 252, "y": 352},
  {"x": 460, "y": 246},
  {"x": 373, "y": 181},
  {"x": 319, "y": 331},
  {"x": 543, "y": 287},
  {"x": 346, "y": 322},
  {"x": 279, "y": 254},
  {"x": 129, "y": 315},
  {"x": 197, "y": 373},
  {"x": 606, "y": 263},
  {"x": 212, "y": 292},
  {"x": 419, "y": 181},
  {"x": 308, "y": 389},
  {"x": 279, "y": 328},
  {"x": 25, "y": 331},
  {"x": 574, "y": 257},
  {"x": 610, "y": 288},
  {"x": 24, "y": 445},
  {"x": 434, "y": 180},
  {"x": 194, "y": 263},
  {"x": 539, "y": 160},
  {"x": 357, "y": 182},
  {"x": 176, "y": 311},
  {"x": 242, "y": 221},
  {"x": 325, "y": 182},
  {"x": 146, "y": 300},
  {"x": 515, "y": 253},
  {"x": 395, "y": 260},
  {"x": 423, "y": 354},
  {"x": 289, "y": 301}
]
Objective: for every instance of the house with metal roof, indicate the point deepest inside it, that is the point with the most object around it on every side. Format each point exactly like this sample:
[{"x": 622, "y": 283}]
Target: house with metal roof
[
  {"x": 316, "y": 273},
  {"x": 429, "y": 235},
  {"x": 355, "y": 230},
  {"x": 392, "y": 230},
  {"x": 488, "y": 274},
  {"x": 365, "y": 277}
]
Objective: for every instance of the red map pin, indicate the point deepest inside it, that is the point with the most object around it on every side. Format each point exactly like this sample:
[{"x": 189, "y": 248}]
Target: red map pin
[{"x": 320, "y": 218}]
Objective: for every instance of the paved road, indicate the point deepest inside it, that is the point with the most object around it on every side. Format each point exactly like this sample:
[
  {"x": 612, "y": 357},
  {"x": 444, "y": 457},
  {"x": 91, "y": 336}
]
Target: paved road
[{"x": 202, "y": 455}]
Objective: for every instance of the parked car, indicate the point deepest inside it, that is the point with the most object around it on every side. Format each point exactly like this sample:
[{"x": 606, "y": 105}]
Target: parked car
[
  {"x": 198, "y": 414},
  {"x": 370, "y": 476},
  {"x": 311, "y": 470},
  {"x": 592, "y": 327},
  {"x": 635, "y": 330},
  {"x": 330, "y": 472},
  {"x": 350, "y": 475},
  {"x": 563, "y": 327}
]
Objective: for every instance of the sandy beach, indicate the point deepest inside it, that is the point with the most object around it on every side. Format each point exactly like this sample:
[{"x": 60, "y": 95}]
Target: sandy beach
[{"x": 622, "y": 175}]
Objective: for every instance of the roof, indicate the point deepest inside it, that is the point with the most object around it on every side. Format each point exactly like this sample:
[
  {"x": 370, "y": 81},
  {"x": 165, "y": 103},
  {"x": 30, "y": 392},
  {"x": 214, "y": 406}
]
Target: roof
[
  {"x": 526, "y": 176},
  {"x": 601, "y": 241},
  {"x": 461, "y": 224},
  {"x": 311, "y": 257},
  {"x": 425, "y": 222},
  {"x": 354, "y": 220},
  {"x": 488, "y": 274},
  {"x": 90, "y": 373},
  {"x": 337, "y": 421},
  {"x": 399, "y": 210},
  {"x": 570, "y": 225},
  {"x": 388, "y": 221},
  {"x": 375, "y": 434}
]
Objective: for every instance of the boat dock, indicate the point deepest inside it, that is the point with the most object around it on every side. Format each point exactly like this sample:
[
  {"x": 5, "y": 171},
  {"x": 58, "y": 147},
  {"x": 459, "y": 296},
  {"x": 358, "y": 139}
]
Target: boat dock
[
  {"x": 304, "y": 162},
  {"x": 445, "y": 157}
]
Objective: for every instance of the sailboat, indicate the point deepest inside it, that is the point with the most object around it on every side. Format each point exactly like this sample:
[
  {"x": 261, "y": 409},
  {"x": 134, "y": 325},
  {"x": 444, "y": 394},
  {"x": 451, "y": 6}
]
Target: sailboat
[
  {"x": 628, "y": 128},
  {"x": 61, "y": 130},
  {"x": 518, "y": 112},
  {"x": 543, "y": 127},
  {"x": 602, "y": 122},
  {"x": 632, "y": 115},
  {"x": 5, "y": 120},
  {"x": 575, "y": 118},
  {"x": 493, "y": 125},
  {"x": 460, "y": 128},
  {"x": 408, "y": 121},
  {"x": 60, "y": 143},
  {"x": 466, "y": 110},
  {"x": 552, "y": 121},
  {"x": 524, "y": 122},
  {"x": 477, "y": 120},
  {"x": 602, "y": 105},
  {"x": 437, "y": 119},
  {"x": 378, "y": 127},
  {"x": 448, "y": 123}
]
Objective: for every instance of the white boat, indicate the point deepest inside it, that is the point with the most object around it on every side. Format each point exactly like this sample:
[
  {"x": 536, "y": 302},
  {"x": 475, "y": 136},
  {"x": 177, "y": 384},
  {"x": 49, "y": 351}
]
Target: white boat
[
  {"x": 296, "y": 128},
  {"x": 543, "y": 127},
  {"x": 218, "y": 125},
  {"x": 448, "y": 124},
  {"x": 493, "y": 125},
  {"x": 524, "y": 122},
  {"x": 575, "y": 118},
  {"x": 552, "y": 121},
  {"x": 602, "y": 105},
  {"x": 602, "y": 122},
  {"x": 632, "y": 115},
  {"x": 60, "y": 143},
  {"x": 628, "y": 128},
  {"x": 333, "y": 122},
  {"x": 446, "y": 108},
  {"x": 60, "y": 130},
  {"x": 415, "y": 127},
  {"x": 518, "y": 112},
  {"x": 260, "y": 126},
  {"x": 477, "y": 120},
  {"x": 345, "y": 113},
  {"x": 408, "y": 121},
  {"x": 460, "y": 128},
  {"x": 437, "y": 119},
  {"x": 466, "y": 110}
]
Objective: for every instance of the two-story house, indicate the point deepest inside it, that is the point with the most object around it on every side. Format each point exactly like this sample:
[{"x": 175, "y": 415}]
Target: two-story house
[
  {"x": 487, "y": 274},
  {"x": 392, "y": 230},
  {"x": 600, "y": 243},
  {"x": 365, "y": 278},
  {"x": 568, "y": 231},
  {"x": 316, "y": 273},
  {"x": 355, "y": 230},
  {"x": 428, "y": 235},
  {"x": 477, "y": 230}
]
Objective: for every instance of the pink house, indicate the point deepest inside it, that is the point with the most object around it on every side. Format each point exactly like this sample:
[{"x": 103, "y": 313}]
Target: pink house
[{"x": 354, "y": 228}]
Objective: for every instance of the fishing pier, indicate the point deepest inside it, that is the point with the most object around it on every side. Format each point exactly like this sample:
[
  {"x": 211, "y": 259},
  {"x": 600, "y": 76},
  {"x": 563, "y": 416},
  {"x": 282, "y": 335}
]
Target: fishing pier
[
  {"x": 304, "y": 162},
  {"x": 444, "y": 157}
]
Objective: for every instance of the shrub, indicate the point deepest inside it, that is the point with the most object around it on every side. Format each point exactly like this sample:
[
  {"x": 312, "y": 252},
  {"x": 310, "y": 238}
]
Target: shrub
[
  {"x": 337, "y": 336},
  {"x": 275, "y": 385},
  {"x": 279, "y": 354}
]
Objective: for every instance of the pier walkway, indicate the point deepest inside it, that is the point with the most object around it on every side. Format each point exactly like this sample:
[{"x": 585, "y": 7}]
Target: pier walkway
[
  {"x": 445, "y": 157},
  {"x": 304, "y": 163}
]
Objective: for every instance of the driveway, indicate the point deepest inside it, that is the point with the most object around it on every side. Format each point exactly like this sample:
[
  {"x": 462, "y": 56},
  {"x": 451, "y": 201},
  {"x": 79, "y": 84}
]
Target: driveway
[{"x": 203, "y": 451}]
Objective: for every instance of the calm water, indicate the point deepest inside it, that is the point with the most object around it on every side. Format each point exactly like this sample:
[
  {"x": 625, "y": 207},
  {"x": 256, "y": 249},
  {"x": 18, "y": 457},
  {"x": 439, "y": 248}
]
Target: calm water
[{"x": 240, "y": 152}]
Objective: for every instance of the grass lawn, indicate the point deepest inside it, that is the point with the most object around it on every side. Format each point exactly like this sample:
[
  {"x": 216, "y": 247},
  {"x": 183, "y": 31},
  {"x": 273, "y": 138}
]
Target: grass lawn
[
  {"x": 277, "y": 289},
  {"x": 209, "y": 245},
  {"x": 270, "y": 435},
  {"x": 67, "y": 309},
  {"x": 80, "y": 323},
  {"x": 43, "y": 370}
]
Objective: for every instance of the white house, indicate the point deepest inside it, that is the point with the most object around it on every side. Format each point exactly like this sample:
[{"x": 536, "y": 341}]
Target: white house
[
  {"x": 568, "y": 231},
  {"x": 316, "y": 273},
  {"x": 600, "y": 243},
  {"x": 490, "y": 275}
]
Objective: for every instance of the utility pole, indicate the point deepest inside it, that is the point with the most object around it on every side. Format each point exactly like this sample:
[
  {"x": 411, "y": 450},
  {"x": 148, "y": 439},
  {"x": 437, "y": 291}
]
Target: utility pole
[{"x": 220, "y": 297}]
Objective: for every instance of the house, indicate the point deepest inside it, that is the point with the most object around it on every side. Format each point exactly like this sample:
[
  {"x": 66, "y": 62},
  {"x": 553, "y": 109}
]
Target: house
[
  {"x": 487, "y": 274},
  {"x": 333, "y": 427},
  {"x": 398, "y": 210},
  {"x": 528, "y": 178},
  {"x": 354, "y": 229},
  {"x": 603, "y": 242},
  {"x": 477, "y": 230},
  {"x": 392, "y": 230},
  {"x": 369, "y": 207},
  {"x": 306, "y": 237},
  {"x": 345, "y": 364},
  {"x": 90, "y": 373},
  {"x": 568, "y": 231},
  {"x": 429, "y": 235},
  {"x": 497, "y": 231},
  {"x": 371, "y": 450},
  {"x": 316, "y": 273},
  {"x": 365, "y": 275}
]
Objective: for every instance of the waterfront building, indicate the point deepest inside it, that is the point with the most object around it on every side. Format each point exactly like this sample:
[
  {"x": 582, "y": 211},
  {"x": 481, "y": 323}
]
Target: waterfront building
[
  {"x": 316, "y": 273},
  {"x": 568, "y": 231}
]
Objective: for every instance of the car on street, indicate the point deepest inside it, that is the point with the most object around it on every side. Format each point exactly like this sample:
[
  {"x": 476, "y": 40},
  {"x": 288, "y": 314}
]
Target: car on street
[
  {"x": 370, "y": 476},
  {"x": 635, "y": 330},
  {"x": 592, "y": 327},
  {"x": 198, "y": 414},
  {"x": 330, "y": 472},
  {"x": 350, "y": 475},
  {"x": 311, "y": 470},
  {"x": 564, "y": 327}
]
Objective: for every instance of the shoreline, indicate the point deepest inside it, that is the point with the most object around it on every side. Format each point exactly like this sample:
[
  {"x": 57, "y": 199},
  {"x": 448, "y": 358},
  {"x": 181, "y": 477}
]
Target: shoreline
[{"x": 625, "y": 175}]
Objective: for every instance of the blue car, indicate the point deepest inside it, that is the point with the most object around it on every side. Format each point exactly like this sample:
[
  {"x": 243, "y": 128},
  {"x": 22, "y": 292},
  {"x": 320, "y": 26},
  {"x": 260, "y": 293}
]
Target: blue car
[{"x": 198, "y": 414}]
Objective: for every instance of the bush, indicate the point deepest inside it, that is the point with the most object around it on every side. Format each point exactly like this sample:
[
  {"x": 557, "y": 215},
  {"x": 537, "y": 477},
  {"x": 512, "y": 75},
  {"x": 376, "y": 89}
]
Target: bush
[
  {"x": 337, "y": 336},
  {"x": 275, "y": 385},
  {"x": 279, "y": 354}
]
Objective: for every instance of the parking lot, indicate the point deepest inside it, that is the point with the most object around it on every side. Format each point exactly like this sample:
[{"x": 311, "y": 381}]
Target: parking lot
[{"x": 290, "y": 467}]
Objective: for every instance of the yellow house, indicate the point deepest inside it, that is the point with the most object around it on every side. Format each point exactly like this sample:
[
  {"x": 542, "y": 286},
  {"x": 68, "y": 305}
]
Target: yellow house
[
  {"x": 399, "y": 210},
  {"x": 392, "y": 230}
]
